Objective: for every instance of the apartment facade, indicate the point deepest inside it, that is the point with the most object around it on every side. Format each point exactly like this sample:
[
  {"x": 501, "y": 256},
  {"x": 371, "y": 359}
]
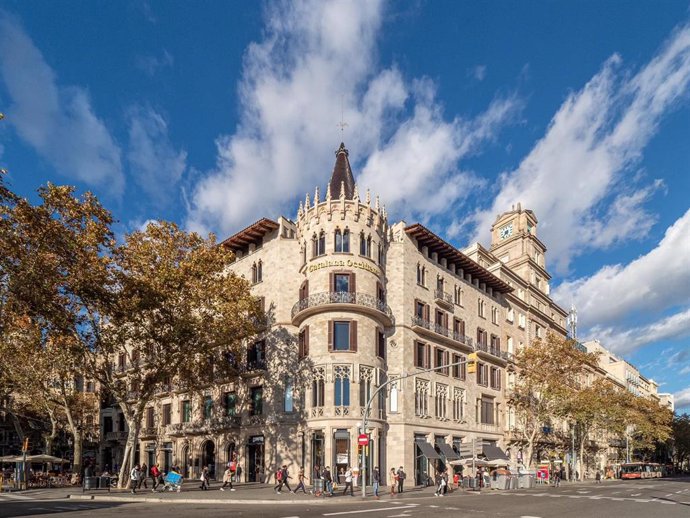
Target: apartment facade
[{"x": 356, "y": 304}]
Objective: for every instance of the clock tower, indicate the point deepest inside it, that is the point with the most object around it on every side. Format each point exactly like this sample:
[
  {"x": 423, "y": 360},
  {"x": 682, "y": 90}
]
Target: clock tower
[{"x": 514, "y": 242}]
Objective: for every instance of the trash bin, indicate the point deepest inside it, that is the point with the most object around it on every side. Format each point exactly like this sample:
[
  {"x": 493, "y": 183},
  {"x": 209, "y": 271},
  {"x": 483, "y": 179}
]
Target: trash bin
[
  {"x": 104, "y": 483},
  {"x": 318, "y": 485},
  {"x": 90, "y": 483}
]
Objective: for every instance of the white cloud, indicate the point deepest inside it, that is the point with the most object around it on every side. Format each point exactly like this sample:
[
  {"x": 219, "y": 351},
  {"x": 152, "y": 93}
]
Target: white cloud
[
  {"x": 645, "y": 288},
  {"x": 682, "y": 398},
  {"x": 478, "y": 72},
  {"x": 587, "y": 156},
  {"x": 58, "y": 122},
  {"x": 156, "y": 165},
  {"x": 150, "y": 64},
  {"x": 315, "y": 53}
]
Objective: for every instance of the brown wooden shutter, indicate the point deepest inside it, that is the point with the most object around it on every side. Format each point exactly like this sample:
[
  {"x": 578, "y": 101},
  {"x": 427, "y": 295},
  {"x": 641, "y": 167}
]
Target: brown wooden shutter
[
  {"x": 331, "y": 278},
  {"x": 306, "y": 341},
  {"x": 353, "y": 283},
  {"x": 426, "y": 312},
  {"x": 428, "y": 356},
  {"x": 479, "y": 336},
  {"x": 353, "y": 335},
  {"x": 330, "y": 335},
  {"x": 416, "y": 353}
]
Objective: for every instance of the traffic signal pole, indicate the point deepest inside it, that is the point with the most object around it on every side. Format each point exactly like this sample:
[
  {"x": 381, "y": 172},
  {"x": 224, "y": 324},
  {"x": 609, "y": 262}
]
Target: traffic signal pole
[{"x": 470, "y": 361}]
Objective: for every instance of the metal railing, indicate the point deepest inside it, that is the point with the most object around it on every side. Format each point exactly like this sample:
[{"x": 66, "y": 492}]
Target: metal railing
[
  {"x": 439, "y": 294},
  {"x": 204, "y": 425},
  {"x": 338, "y": 297},
  {"x": 436, "y": 328}
]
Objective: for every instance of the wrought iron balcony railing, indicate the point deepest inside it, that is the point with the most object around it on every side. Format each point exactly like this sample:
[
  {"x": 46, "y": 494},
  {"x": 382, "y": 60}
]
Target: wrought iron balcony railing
[{"x": 336, "y": 297}]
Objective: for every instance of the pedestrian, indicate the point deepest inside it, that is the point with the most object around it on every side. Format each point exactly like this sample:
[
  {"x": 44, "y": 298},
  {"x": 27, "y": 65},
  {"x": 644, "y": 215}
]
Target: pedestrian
[
  {"x": 348, "y": 481},
  {"x": 445, "y": 481},
  {"x": 401, "y": 479},
  {"x": 557, "y": 478},
  {"x": 300, "y": 479},
  {"x": 286, "y": 476},
  {"x": 156, "y": 476},
  {"x": 204, "y": 479},
  {"x": 393, "y": 480},
  {"x": 279, "y": 481},
  {"x": 238, "y": 472},
  {"x": 143, "y": 475},
  {"x": 597, "y": 477},
  {"x": 377, "y": 481},
  {"x": 134, "y": 478},
  {"x": 456, "y": 479},
  {"x": 328, "y": 480},
  {"x": 227, "y": 479}
]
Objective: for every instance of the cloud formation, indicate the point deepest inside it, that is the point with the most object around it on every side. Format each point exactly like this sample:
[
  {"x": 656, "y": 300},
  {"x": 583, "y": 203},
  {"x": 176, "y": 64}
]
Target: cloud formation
[
  {"x": 646, "y": 288},
  {"x": 57, "y": 121},
  {"x": 682, "y": 398},
  {"x": 290, "y": 97},
  {"x": 576, "y": 177},
  {"x": 155, "y": 164},
  {"x": 150, "y": 64}
]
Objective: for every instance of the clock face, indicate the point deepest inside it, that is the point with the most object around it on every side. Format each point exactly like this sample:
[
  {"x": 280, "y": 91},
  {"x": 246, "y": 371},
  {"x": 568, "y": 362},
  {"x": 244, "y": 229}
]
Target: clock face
[{"x": 506, "y": 231}]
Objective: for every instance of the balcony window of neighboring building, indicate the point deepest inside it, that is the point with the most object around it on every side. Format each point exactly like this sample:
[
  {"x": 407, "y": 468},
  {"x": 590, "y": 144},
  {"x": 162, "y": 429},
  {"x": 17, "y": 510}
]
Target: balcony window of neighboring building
[
  {"x": 150, "y": 414},
  {"x": 539, "y": 331},
  {"x": 422, "y": 355},
  {"x": 342, "y": 241},
  {"x": 486, "y": 411},
  {"x": 459, "y": 329},
  {"x": 380, "y": 344},
  {"x": 482, "y": 338},
  {"x": 441, "y": 359},
  {"x": 167, "y": 414},
  {"x": 482, "y": 374},
  {"x": 421, "y": 310},
  {"x": 208, "y": 407},
  {"x": 230, "y": 403},
  {"x": 342, "y": 335},
  {"x": 303, "y": 342},
  {"x": 318, "y": 387},
  {"x": 256, "y": 355},
  {"x": 459, "y": 371},
  {"x": 521, "y": 320},
  {"x": 288, "y": 396},
  {"x": 341, "y": 386},
  {"x": 439, "y": 283},
  {"x": 256, "y": 406},
  {"x": 186, "y": 412},
  {"x": 495, "y": 378},
  {"x": 495, "y": 347}
]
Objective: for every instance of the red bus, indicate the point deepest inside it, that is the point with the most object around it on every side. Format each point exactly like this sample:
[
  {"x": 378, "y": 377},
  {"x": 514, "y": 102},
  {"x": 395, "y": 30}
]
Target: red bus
[{"x": 635, "y": 470}]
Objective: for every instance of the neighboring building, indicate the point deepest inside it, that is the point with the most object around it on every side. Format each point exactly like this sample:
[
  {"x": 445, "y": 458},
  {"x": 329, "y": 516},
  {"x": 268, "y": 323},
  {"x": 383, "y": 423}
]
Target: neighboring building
[
  {"x": 354, "y": 301},
  {"x": 666, "y": 400}
]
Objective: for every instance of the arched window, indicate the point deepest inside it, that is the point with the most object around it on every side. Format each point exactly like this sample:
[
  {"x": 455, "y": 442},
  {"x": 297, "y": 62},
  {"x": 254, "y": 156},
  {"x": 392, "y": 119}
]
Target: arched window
[
  {"x": 314, "y": 245},
  {"x": 419, "y": 274},
  {"x": 338, "y": 240},
  {"x": 368, "y": 254},
  {"x": 259, "y": 271},
  {"x": 362, "y": 244},
  {"x": 254, "y": 273},
  {"x": 322, "y": 243},
  {"x": 346, "y": 241},
  {"x": 304, "y": 253}
]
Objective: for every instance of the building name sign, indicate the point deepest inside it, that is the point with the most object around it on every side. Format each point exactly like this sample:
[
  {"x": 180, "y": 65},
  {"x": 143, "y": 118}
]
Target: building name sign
[{"x": 344, "y": 263}]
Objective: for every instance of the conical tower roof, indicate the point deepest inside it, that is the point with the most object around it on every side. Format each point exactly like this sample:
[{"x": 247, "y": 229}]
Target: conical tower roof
[{"x": 342, "y": 175}]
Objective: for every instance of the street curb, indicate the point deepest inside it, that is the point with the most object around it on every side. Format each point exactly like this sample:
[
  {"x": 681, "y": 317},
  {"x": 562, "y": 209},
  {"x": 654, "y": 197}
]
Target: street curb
[{"x": 214, "y": 501}]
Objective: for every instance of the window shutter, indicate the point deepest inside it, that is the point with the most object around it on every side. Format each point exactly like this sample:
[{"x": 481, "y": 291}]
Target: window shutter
[
  {"x": 416, "y": 354},
  {"x": 353, "y": 284},
  {"x": 331, "y": 278},
  {"x": 426, "y": 312},
  {"x": 330, "y": 335},
  {"x": 353, "y": 335},
  {"x": 428, "y": 356},
  {"x": 479, "y": 336},
  {"x": 306, "y": 341}
]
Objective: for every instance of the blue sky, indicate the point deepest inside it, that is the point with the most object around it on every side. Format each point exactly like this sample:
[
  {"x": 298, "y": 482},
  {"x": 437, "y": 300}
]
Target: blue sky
[{"x": 213, "y": 114}]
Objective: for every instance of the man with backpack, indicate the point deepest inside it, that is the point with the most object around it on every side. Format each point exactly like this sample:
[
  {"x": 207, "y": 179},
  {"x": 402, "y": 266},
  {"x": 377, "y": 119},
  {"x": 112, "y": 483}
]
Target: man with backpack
[{"x": 401, "y": 479}]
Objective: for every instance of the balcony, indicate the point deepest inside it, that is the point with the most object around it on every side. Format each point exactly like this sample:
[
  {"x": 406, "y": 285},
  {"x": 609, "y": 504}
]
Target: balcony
[
  {"x": 443, "y": 299},
  {"x": 116, "y": 436},
  {"x": 147, "y": 432},
  {"x": 492, "y": 350},
  {"x": 202, "y": 426},
  {"x": 435, "y": 331},
  {"x": 342, "y": 301}
]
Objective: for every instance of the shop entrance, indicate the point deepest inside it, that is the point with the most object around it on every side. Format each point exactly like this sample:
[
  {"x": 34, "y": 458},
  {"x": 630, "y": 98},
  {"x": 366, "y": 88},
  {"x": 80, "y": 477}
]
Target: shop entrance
[
  {"x": 255, "y": 459},
  {"x": 208, "y": 458},
  {"x": 341, "y": 455},
  {"x": 318, "y": 453}
]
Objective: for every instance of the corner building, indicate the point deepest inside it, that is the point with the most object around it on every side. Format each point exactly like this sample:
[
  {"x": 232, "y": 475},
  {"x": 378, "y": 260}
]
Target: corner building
[{"x": 354, "y": 301}]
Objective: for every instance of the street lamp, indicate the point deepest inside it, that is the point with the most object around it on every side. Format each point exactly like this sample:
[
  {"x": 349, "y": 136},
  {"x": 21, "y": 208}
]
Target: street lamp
[{"x": 367, "y": 409}]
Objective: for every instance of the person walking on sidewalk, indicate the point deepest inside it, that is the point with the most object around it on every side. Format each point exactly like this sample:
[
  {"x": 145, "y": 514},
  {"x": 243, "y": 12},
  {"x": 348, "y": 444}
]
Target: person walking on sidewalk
[
  {"x": 204, "y": 479},
  {"x": 300, "y": 479},
  {"x": 556, "y": 478},
  {"x": 377, "y": 481},
  {"x": 143, "y": 475},
  {"x": 156, "y": 476},
  {"x": 348, "y": 482},
  {"x": 393, "y": 480},
  {"x": 597, "y": 477},
  {"x": 227, "y": 479},
  {"x": 401, "y": 479},
  {"x": 134, "y": 478},
  {"x": 439, "y": 484},
  {"x": 328, "y": 480}
]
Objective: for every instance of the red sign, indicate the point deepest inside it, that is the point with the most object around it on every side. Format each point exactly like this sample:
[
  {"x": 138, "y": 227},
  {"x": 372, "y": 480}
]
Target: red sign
[{"x": 363, "y": 439}]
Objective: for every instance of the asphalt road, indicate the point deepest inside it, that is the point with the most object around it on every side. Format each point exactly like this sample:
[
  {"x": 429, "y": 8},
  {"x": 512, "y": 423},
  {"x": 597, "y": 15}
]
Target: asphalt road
[{"x": 668, "y": 498}]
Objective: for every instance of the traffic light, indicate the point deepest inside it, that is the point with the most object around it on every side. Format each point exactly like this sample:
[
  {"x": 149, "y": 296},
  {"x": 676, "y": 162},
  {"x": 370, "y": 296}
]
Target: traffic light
[
  {"x": 25, "y": 444},
  {"x": 472, "y": 363}
]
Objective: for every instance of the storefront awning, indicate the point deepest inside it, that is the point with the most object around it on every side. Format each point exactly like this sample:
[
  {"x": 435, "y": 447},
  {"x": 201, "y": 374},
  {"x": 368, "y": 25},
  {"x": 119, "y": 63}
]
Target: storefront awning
[
  {"x": 427, "y": 450},
  {"x": 447, "y": 451},
  {"x": 493, "y": 452}
]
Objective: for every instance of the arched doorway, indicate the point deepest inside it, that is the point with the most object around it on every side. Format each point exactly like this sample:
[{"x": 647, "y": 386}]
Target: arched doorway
[
  {"x": 208, "y": 458},
  {"x": 186, "y": 461}
]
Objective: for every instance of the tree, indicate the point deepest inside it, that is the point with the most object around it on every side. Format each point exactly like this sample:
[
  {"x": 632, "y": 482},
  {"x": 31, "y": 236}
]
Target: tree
[
  {"x": 53, "y": 272},
  {"x": 644, "y": 422},
  {"x": 681, "y": 439},
  {"x": 177, "y": 318},
  {"x": 548, "y": 372}
]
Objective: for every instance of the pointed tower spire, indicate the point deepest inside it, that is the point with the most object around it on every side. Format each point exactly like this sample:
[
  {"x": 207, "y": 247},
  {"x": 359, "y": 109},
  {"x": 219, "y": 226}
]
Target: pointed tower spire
[
  {"x": 355, "y": 194},
  {"x": 300, "y": 211},
  {"x": 342, "y": 179},
  {"x": 316, "y": 196},
  {"x": 306, "y": 203},
  {"x": 367, "y": 199},
  {"x": 328, "y": 192}
]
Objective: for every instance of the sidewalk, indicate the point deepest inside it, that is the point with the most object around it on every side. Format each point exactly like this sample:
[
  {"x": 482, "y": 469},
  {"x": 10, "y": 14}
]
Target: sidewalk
[{"x": 247, "y": 494}]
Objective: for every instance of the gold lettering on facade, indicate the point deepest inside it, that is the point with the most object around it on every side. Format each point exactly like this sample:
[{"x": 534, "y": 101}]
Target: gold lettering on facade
[{"x": 349, "y": 263}]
